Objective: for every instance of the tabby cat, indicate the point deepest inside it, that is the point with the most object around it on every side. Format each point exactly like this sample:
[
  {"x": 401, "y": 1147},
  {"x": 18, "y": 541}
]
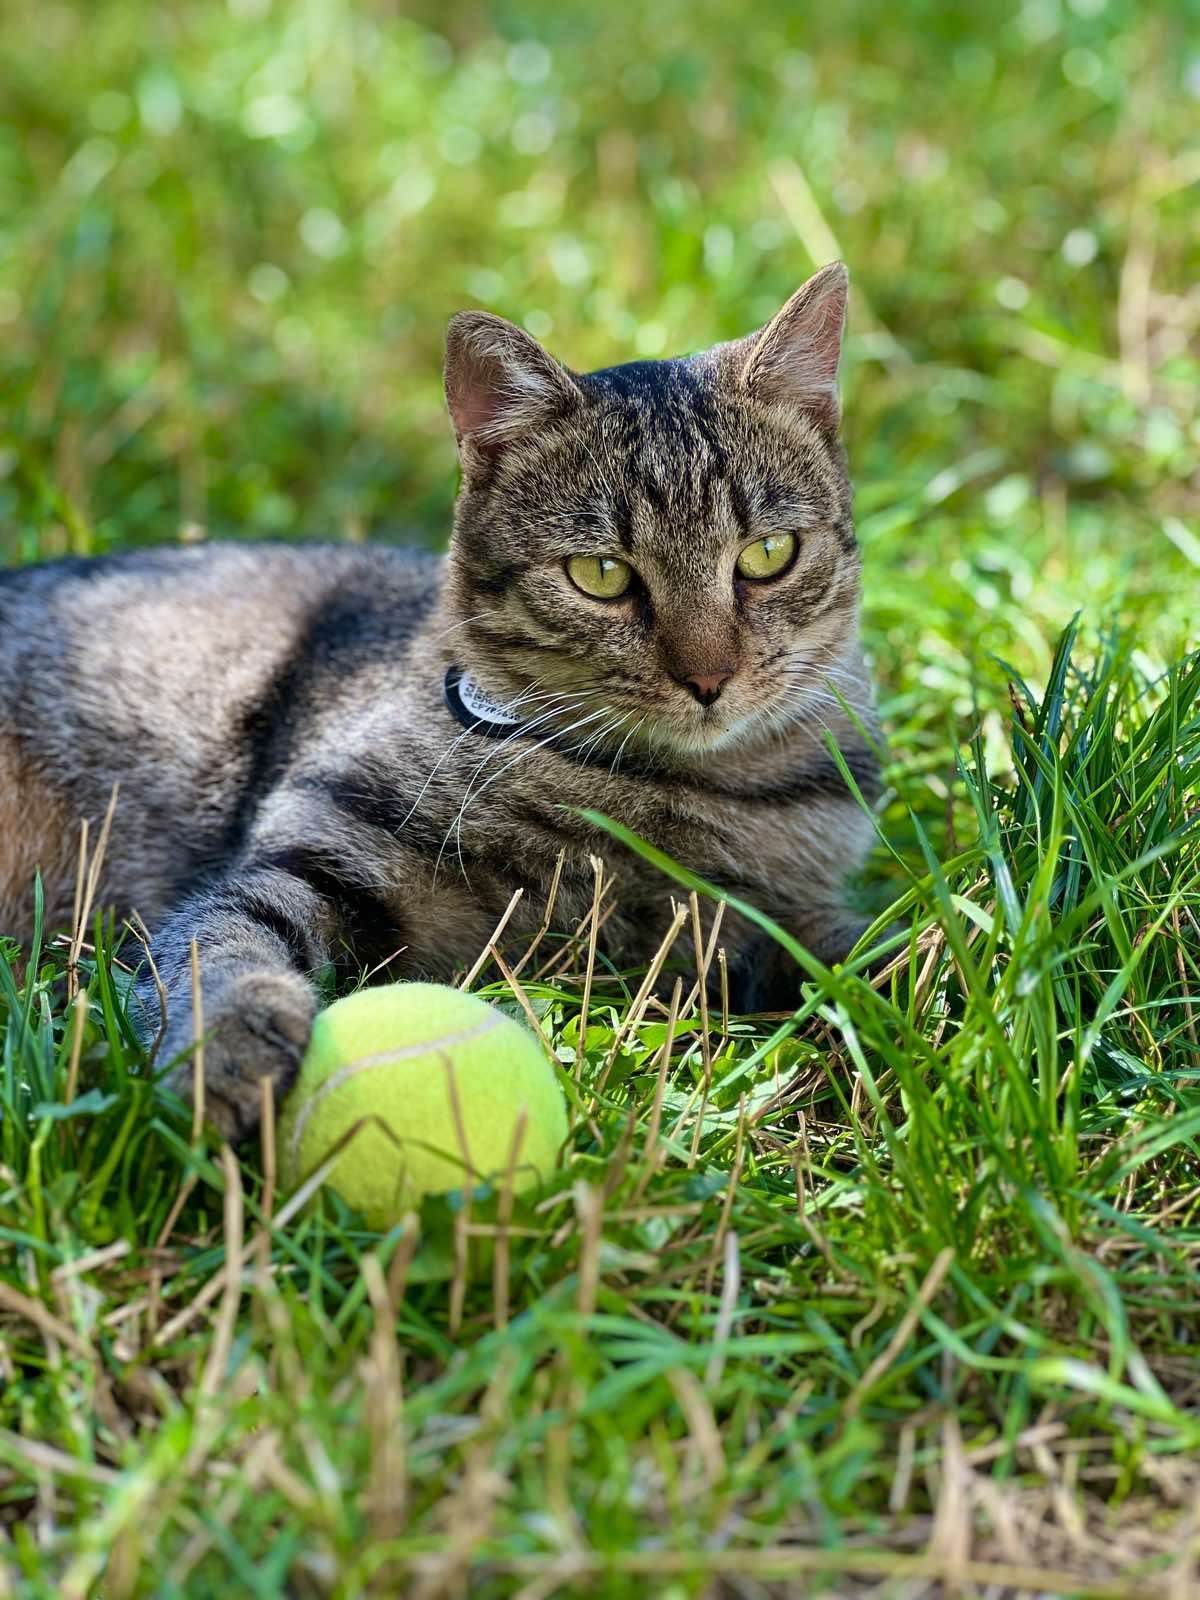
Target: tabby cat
[{"x": 331, "y": 753}]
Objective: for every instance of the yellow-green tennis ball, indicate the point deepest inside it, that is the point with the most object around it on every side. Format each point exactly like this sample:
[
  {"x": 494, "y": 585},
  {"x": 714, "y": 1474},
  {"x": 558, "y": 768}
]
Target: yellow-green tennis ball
[{"x": 397, "y": 1059}]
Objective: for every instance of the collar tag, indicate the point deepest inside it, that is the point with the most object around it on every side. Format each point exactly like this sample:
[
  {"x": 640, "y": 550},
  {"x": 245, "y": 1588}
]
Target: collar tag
[{"x": 471, "y": 704}]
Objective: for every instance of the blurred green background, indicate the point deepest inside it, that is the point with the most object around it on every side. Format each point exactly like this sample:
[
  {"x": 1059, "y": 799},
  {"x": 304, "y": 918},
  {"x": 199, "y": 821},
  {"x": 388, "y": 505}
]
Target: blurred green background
[{"x": 232, "y": 231}]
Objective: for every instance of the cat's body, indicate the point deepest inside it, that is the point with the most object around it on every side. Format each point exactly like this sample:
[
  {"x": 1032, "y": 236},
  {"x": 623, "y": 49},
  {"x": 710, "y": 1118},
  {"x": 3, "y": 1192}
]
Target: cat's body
[{"x": 295, "y": 787}]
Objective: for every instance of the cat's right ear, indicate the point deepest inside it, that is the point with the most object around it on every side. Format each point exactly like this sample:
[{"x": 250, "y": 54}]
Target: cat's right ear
[{"x": 500, "y": 383}]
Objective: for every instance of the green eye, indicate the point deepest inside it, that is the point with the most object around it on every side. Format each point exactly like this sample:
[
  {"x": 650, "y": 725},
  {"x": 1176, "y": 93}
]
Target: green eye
[
  {"x": 603, "y": 577},
  {"x": 767, "y": 558}
]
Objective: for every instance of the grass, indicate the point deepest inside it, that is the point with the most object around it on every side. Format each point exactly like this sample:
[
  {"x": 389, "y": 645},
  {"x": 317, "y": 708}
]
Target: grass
[
  {"x": 896, "y": 1296},
  {"x": 803, "y": 1299}
]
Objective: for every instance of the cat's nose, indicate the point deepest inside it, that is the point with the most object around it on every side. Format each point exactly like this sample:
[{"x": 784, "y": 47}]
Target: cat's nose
[{"x": 706, "y": 686}]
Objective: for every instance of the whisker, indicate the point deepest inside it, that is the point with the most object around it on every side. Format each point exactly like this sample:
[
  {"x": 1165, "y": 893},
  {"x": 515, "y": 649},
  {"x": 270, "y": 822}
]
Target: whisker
[
  {"x": 465, "y": 623},
  {"x": 612, "y": 771},
  {"x": 445, "y": 756},
  {"x": 455, "y": 827},
  {"x": 499, "y": 746}
]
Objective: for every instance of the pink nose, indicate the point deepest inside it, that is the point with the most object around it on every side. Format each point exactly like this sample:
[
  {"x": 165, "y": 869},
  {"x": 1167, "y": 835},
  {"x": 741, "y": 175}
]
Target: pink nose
[{"x": 706, "y": 686}]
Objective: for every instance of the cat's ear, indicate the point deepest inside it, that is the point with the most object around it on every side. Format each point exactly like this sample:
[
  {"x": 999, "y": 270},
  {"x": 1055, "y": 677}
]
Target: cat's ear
[
  {"x": 500, "y": 383},
  {"x": 794, "y": 359}
]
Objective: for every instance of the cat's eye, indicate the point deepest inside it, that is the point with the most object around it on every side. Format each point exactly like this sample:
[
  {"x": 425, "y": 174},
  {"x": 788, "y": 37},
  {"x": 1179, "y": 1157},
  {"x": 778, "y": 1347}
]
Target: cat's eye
[
  {"x": 603, "y": 577},
  {"x": 769, "y": 557}
]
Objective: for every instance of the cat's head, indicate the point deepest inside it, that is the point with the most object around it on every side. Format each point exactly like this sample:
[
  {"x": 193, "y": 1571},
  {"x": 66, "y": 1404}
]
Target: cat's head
[{"x": 665, "y": 546}]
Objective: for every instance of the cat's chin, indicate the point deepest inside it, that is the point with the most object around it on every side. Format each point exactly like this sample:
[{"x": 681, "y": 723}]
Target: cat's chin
[
  {"x": 707, "y": 734},
  {"x": 701, "y": 737}
]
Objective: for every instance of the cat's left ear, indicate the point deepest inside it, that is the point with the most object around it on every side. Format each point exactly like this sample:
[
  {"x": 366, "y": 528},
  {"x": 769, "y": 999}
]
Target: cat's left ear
[
  {"x": 500, "y": 383},
  {"x": 794, "y": 359}
]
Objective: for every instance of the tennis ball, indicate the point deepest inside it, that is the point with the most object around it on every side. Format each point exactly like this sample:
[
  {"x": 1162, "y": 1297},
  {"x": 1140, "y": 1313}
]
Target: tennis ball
[{"x": 387, "y": 1058}]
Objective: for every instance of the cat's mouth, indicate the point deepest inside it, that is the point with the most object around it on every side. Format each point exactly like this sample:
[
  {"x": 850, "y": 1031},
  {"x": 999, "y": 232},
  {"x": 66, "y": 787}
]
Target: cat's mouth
[
  {"x": 667, "y": 722},
  {"x": 695, "y": 729},
  {"x": 624, "y": 720},
  {"x": 589, "y": 721}
]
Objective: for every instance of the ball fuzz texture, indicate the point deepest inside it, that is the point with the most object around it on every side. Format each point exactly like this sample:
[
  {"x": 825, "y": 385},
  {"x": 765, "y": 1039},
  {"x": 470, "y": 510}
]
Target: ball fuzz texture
[{"x": 396, "y": 1059}]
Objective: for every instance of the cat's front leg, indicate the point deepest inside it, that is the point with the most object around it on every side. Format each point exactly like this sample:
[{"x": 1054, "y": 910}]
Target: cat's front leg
[{"x": 261, "y": 932}]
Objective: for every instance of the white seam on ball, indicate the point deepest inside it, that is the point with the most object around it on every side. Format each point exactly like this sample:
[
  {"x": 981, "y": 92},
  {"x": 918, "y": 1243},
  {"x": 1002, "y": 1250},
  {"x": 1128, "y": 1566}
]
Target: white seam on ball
[{"x": 384, "y": 1058}]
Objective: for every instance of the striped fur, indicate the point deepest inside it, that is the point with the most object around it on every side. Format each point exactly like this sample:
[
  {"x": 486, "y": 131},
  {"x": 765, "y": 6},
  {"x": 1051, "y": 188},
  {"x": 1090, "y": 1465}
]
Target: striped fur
[{"x": 294, "y": 791}]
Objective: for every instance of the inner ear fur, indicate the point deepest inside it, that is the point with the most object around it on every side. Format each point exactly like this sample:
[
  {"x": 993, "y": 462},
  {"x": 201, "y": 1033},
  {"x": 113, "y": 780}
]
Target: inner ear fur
[
  {"x": 500, "y": 383},
  {"x": 794, "y": 359}
]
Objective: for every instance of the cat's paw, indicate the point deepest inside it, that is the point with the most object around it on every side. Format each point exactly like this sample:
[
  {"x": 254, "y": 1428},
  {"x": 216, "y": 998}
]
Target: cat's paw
[
  {"x": 256, "y": 1026},
  {"x": 763, "y": 977}
]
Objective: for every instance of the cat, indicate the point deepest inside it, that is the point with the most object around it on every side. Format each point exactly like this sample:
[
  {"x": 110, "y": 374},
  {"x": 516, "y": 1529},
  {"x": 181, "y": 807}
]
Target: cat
[{"x": 353, "y": 754}]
